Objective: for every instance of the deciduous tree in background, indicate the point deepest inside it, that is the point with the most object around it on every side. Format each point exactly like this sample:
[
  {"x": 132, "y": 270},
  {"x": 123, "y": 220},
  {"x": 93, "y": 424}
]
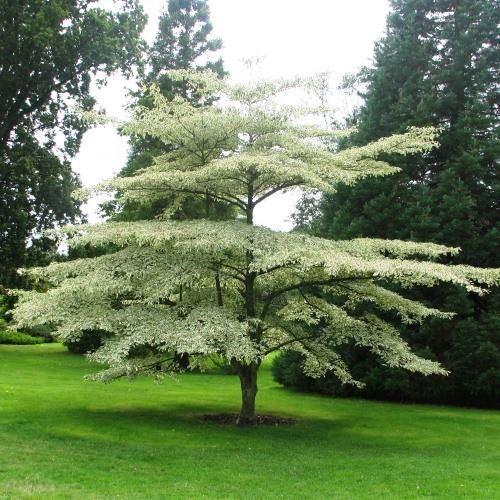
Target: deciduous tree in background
[
  {"x": 231, "y": 287},
  {"x": 48, "y": 54}
]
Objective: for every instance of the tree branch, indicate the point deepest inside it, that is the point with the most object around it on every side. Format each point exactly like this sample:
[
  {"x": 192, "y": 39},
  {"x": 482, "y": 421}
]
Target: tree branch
[{"x": 271, "y": 297}]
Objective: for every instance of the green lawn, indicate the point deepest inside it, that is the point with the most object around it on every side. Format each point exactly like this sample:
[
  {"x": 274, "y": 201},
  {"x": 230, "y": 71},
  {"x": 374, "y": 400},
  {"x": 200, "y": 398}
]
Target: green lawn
[{"x": 61, "y": 437}]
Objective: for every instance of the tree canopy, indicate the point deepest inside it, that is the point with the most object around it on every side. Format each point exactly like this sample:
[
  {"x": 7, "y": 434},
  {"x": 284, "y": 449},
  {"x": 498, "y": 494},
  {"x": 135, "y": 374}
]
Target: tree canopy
[
  {"x": 231, "y": 287},
  {"x": 49, "y": 53}
]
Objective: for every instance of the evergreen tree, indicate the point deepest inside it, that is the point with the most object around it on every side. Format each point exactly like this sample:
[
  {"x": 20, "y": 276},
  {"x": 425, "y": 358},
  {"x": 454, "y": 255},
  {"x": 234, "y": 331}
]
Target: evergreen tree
[
  {"x": 184, "y": 42},
  {"x": 437, "y": 65},
  {"x": 229, "y": 287},
  {"x": 35, "y": 188}
]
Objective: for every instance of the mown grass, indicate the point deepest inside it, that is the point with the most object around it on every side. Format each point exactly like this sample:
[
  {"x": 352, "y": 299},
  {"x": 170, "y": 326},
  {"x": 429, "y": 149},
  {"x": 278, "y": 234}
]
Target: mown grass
[{"x": 61, "y": 437}]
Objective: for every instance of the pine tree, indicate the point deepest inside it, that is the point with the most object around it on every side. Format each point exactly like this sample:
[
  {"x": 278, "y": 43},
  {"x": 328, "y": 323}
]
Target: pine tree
[
  {"x": 229, "y": 287},
  {"x": 184, "y": 41},
  {"x": 437, "y": 65}
]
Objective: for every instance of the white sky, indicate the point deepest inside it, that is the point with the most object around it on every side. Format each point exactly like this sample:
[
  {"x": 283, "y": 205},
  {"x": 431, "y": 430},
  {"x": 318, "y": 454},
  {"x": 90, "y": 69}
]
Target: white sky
[{"x": 293, "y": 36}]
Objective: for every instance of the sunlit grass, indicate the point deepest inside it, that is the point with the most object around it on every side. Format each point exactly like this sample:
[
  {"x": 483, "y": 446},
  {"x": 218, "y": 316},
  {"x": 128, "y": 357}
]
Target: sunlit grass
[{"x": 61, "y": 437}]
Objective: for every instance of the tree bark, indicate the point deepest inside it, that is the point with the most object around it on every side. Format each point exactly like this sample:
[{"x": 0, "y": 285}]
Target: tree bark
[
  {"x": 248, "y": 372},
  {"x": 248, "y": 381},
  {"x": 181, "y": 359},
  {"x": 218, "y": 288}
]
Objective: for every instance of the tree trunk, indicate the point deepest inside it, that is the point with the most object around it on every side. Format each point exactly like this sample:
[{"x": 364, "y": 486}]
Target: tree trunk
[
  {"x": 248, "y": 372},
  {"x": 181, "y": 359},
  {"x": 248, "y": 381}
]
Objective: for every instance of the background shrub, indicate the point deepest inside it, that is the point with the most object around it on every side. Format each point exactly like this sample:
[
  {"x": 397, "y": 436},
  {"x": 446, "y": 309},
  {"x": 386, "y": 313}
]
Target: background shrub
[
  {"x": 8, "y": 336},
  {"x": 88, "y": 342},
  {"x": 19, "y": 338},
  {"x": 474, "y": 379}
]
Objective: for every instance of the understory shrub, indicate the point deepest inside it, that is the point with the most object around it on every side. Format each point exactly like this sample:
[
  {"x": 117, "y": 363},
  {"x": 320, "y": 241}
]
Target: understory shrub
[
  {"x": 474, "y": 379},
  {"x": 88, "y": 342},
  {"x": 41, "y": 331},
  {"x": 8, "y": 336},
  {"x": 19, "y": 338}
]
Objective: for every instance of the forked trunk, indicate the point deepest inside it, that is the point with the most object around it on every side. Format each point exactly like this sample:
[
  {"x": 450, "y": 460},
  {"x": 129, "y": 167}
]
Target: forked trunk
[{"x": 248, "y": 380}]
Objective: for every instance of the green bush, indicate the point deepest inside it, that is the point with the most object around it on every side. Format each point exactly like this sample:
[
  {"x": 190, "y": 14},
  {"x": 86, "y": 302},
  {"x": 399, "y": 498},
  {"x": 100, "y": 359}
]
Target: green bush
[
  {"x": 473, "y": 361},
  {"x": 41, "y": 331},
  {"x": 88, "y": 342},
  {"x": 18, "y": 338},
  {"x": 31, "y": 336},
  {"x": 287, "y": 370}
]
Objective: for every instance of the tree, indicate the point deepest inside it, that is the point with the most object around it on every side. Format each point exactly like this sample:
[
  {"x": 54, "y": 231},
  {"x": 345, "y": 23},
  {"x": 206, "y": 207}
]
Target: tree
[
  {"x": 184, "y": 41},
  {"x": 438, "y": 65},
  {"x": 49, "y": 52},
  {"x": 36, "y": 189},
  {"x": 230, "y": 287}
]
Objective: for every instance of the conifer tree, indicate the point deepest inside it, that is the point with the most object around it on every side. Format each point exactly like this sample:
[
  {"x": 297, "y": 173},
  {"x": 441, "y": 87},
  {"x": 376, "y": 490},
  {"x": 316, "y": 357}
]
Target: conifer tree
[
  {"x": 437, "y": 65},
  {"x": 184, "y": 41},
  {"x": 230, "y": 287}
]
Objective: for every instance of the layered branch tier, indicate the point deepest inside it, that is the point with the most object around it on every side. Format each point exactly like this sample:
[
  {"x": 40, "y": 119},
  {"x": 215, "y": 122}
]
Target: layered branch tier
[
  {"x": 249, "y": 147},
  {"x": 157, "y": 287}
]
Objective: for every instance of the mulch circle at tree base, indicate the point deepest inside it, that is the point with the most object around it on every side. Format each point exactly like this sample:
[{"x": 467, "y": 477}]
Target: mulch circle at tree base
[{"x": 232, "y": 419}]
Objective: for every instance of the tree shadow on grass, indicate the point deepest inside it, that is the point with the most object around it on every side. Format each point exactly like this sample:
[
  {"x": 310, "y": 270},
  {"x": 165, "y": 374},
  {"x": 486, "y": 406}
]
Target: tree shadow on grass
[
  {"x": 181, "y": 432},
  {"x": 150, "y": 424},
  {"x": 149, "y": 432},
  {"x": 182, "y": 428},
  {"x": 182, "y": 415}
]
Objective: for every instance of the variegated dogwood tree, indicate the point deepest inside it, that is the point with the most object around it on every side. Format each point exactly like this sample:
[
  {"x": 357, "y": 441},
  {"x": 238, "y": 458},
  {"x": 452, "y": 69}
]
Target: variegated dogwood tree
[{"x": 233, "y": 288}]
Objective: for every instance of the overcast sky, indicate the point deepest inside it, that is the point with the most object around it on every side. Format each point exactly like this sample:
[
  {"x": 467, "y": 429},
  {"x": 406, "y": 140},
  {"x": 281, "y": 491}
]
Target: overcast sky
[{"x": 292, "y": 36}]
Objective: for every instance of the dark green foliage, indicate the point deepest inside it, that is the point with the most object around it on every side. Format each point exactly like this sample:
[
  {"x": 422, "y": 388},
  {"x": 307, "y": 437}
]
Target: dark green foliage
[
  {"x": 287, "y": 370},
  {"x": 474, "y": 361},
  {"x": 49, "y": 52},
  {"x": 184, "y": 38},
  {"x": 41, "y": 331},
  {"x": 89, "y": 342},
  {"x": 438, "y": 65},
  {"x": 18, "y": 338},
  {"x": 451, "y": 195},
  {"x": 35, "y": 187}
]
